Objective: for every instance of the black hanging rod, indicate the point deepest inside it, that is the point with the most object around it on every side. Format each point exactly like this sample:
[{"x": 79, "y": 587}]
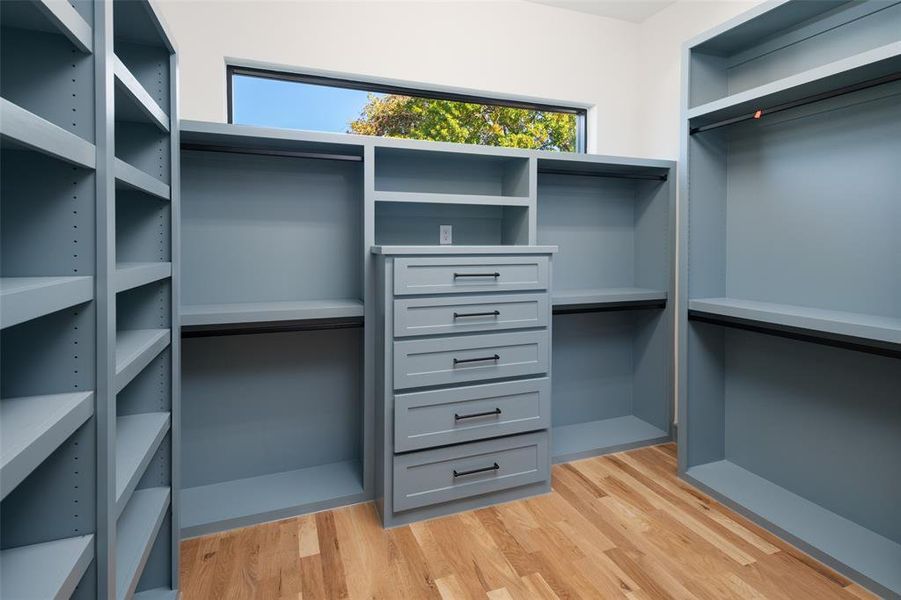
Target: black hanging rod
[
  {"x": 197, "y": 331},
  {"x": 264, "y": 152},
  {"x": 575, "y": 309},
  {"x": 546, "y": 171},
  {"x": 765, "y": 111}
]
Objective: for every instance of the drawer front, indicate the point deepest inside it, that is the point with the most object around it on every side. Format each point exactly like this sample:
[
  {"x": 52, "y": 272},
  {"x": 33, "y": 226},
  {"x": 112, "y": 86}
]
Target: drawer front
[
  {"x": 444, "y": 474},
  {"x": 444, "y": 275},
  {"x": 464, "y": 414},
  {"x": 457, "y": 314},
  {"x": 440, "y": 361}
]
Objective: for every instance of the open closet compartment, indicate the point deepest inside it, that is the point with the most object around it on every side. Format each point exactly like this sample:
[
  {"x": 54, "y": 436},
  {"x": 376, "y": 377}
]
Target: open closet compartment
[
  {"x": 272, "y": 230},
  {"x": 416, "y": 190},
  {"x": 613, "y": 322},
  {"x": 791, "y": 314},
  {"x": 48, "y": 468},
  {"x": 272, "y": 319}
]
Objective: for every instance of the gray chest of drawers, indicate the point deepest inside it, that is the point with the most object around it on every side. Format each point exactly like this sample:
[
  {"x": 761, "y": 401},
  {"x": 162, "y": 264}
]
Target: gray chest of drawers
[{"x": 463, "y": 398}]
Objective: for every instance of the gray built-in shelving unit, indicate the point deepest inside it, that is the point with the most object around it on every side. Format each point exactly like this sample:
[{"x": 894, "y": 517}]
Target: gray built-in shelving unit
[
  {"x": 278, "y": 300},
  {"x": 790, "y": 357},
  {"x": 88, "y": 296}
]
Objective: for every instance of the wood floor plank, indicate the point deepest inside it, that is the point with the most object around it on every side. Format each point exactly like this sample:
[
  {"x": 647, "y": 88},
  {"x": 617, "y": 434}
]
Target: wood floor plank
[
  {"x": 513, "y": 551},
  {"x": 330, "y": 552},
  {"x": 620, "y": 526}
]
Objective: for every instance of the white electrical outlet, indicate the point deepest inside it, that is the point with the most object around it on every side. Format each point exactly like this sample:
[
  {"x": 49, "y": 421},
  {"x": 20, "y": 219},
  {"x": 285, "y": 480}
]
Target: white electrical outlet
[{"x": 445, "y": 234}]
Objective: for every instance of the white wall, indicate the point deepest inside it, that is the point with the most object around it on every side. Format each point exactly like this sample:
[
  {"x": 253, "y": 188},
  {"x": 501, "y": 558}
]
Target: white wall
[
  {"x": 660, "y": 63},
  {"x": 506, "y": 47},
  {"x": 629, "y": 73}
]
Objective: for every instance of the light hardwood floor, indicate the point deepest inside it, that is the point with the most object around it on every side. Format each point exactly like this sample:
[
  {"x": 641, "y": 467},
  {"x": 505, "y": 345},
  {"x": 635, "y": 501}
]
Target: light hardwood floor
[{"x": 619, "y": 526}]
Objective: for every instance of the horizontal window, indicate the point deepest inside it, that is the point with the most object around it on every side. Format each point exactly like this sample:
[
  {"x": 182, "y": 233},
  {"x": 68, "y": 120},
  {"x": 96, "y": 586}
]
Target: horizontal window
[{"x": 288, "y": 100}]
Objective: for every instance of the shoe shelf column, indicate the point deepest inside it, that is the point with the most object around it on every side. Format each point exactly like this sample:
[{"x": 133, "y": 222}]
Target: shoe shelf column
[{"x": 138, "y": 257}]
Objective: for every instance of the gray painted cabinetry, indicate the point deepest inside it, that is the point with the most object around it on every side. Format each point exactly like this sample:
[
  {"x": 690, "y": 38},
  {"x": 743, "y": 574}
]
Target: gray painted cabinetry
[
  {"x": 89, "y": 365},
  {"x": 307, "y": 370},
  {"x": 462, "y": 410},
  {"x": 790, "y": 352}
]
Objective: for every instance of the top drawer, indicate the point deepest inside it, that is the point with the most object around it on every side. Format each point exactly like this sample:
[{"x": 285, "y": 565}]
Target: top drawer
[{"x": 443, "y": 275}]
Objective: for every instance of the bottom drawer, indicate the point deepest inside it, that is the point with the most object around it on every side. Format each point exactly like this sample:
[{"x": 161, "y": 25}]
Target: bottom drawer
[{"x": 445, "y": 474}]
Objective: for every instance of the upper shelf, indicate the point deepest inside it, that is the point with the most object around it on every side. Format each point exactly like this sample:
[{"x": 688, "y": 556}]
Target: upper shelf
[
  {"x": 133, "y": 102},
  {"x": 33, "y": 427},
  {"x": 267, "y": 312},
  {"x": 440, "y": 198},
  {"x": 589, "y": 165},
  {"x": 134, "y": 178},
  {"x": 609, "y": 298},
  {"x": 55, "y": 16},
  {"x": 858, "y": 327},
  {"x": 25, "y": 129},
  {"x": 47, "y": 570},
  {"x": 857, "y": 70},
  {"x": 26, "y": 298}
]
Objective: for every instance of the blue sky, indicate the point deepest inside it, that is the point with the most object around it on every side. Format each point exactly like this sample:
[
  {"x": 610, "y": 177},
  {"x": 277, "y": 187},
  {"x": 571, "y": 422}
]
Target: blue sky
[{"x": 274, "y": 103}]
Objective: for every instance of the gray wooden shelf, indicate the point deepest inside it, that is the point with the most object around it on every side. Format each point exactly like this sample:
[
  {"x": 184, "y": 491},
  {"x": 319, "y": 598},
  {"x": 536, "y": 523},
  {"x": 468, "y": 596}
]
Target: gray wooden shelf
[
  {"x": 135, "y": 274},
  {"x": 33, "y": 427},
  {"x": 592, "y": 438},
  {"x": 56, "y": 16},
  {"x": 25, "y": 129},
  {"x": 260, "y": 312},
  {"x": 135, "y": 348},
  {"x": 137, "y": 438},
  {"x": 457, "y": 249},
  {"x": 438, "y": 198},
  {"x": 47, "y": 570},
  {"x": 600, "y": 297},
  {"x": 824, "y": 534},
  {"x": 240, "y": 502},
  {"x": 849, "y": 71},
  {"x": 157, "y": 594},
  {"x": 26, "y": 298},
  {"x": 136, "y": 530},
  {"x": 815, "y": 321},
  {"x": 134, "y": 178},
  {"x": 133, "y": 102}
]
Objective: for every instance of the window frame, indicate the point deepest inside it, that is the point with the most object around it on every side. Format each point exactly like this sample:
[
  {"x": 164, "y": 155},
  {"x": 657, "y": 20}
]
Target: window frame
[{"x": 580, "y": 113}]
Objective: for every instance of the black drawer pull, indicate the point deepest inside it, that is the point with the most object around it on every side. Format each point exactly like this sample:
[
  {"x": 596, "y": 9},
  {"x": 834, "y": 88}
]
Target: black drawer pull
[
  {"x": 493, "y": 313},
  {"x": 493, "y": 467},
  {"x": 487, "y": 413},
  {"x": 460, "y": 361},
  {"x": 495, "y": 274}
]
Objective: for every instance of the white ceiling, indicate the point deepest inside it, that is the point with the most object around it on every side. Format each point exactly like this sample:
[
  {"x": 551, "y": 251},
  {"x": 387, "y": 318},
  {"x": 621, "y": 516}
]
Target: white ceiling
[{"x": 634, "y": 11}]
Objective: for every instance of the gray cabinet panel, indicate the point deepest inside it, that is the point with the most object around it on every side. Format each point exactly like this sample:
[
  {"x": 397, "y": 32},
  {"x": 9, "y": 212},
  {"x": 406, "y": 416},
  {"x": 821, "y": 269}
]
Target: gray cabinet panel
[
  {"x": 464, "y": 414},
  {"x": 458, "y": 314},
  {"x": 419, "y": 363},
  {"x": 445, "y": 474},
  {"x": 469, "y": 274}
]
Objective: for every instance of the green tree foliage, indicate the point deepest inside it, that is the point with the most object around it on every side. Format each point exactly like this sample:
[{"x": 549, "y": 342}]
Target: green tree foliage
[{"x": 465, "y": 122}]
